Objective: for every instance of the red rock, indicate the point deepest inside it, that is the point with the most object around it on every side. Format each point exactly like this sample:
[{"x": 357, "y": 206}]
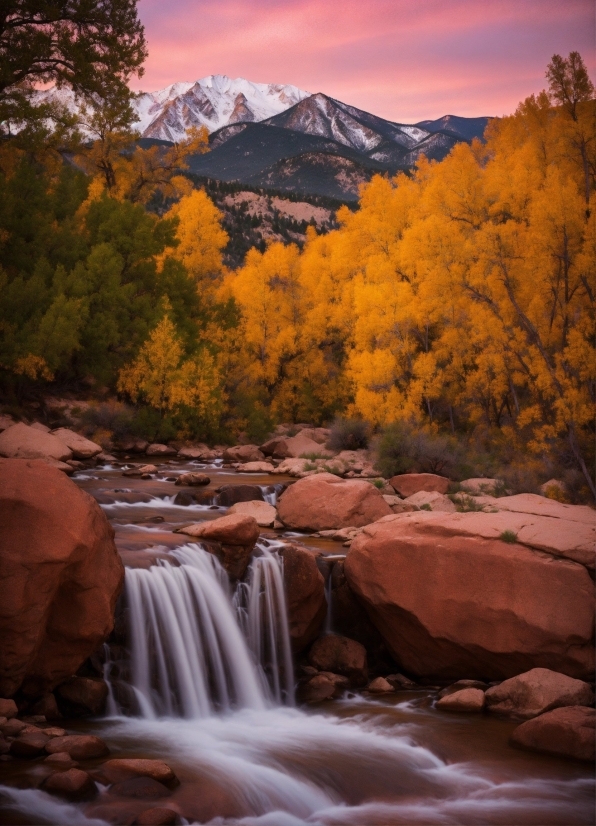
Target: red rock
[
  {"x": 74, "y": 784},
  {"x": 8, "y": 709},
  {"x": 467, "y": 699},
  {"x": 340, "y": 655},
  {"x": 140, "y": 787},
  {"x": 193, "y": 479},
  {"x": 120, "y": 769},
  {"x": 160, "y": 450},
  {"x": 79, "y": 746},
  {"x": 12, "y": 728},
  {"x": 566, "y": 732},
  {"x": 231, "y": 538},
  {"x": 256, "y": 467},
  {"x": 81, "y": 447},
  {"x": 230, "y": 494},
  {"x": 243, "y": 453},
  {"x": 379, "y": 686},
  {"x": 24, "y": 442},
  {"x": 264, "y": 513},
  {"x": 61, "y": 759},
  {"x": 317, "y": 689},
  {"x": 80, "y": 696},
  {"x": 305, "y": 595},
  {"x": 324, "y": 501},
  {"x": 460, "y": 685},
  {"x": 65, "y": 576},
  {"x": 407, "y": 484},
  {"x": 47, "y": 706},
  {"x": 539, "y": 690},
  {"x": 157, "y": 817},
  {"x": 29, "y": 745},
  {"x": 453, "y": 604}
]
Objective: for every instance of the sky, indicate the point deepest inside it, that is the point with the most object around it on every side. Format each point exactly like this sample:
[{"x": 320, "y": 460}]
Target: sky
[{"x": 405, "y": 60}]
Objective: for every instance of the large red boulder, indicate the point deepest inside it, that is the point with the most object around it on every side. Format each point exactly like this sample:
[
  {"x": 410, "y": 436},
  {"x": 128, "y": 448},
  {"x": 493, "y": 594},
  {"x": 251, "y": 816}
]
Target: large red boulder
[
  {"x": 566, "y": 732},
  {"x": 230, "y": 538},
  {"x": 537, "y": 691},
  {"x": 305, "y": 595},
  {"x": 407, "y": 484},
  {"x": 23, "y": 442},
  {"x": 61, "y": 574},
  {"x": 324, "y": 501},
  {"x": 449, "y": 605}
]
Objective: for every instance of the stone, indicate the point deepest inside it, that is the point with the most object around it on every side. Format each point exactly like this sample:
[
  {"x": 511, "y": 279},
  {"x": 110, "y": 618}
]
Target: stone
[
  {"x": 257, "y": 467},
  {"x": 467, "y": 699},
  {"x": 193, "y": 479},
  {"x": 29, "y": 745},
  {"x": 340, "y": 655},
  {"x": 143, "y": 788},
  {"x": 54, "y": 731},
  {"x": 479, "y": 486},
  {"x": 243, "y": 453},
  {"x": 160, "y": 450},
  {"x": 433, "y": 501},
  {"x": 292, "y": 467},
  {"x": 81, "y": 696},
  {"x": 24, "y": 442},
  {"x": 133, "y": 445},
  {"x": 264, "y": 513},
  {"x": 39, "y": 426},
  {"x": 305, "y": 595},
  {"x": 408, "y": 483},
  {"x": 399, "y": 681},
  {"x": 231, "y": 538},
  {"x": 139, "y": 470},
  {"x": 461, "y": 684},
  {"x": 324, "y": 501},
  {"x": 116, "y": 770},
  {"x": 8, "y": 709},
  {"x": 230, "y": 494},
  {"x": 12, "y": 728},
  {"x": 60, "y": 760},
  {"x": 194, "y": 452},
  {"x": 65, "y": 576},
  {"x": 158, "y": 816},
  {"x": 270, "y": 447},
  {"x": 317, "y": 689},
  {"x": 536, "y": 691},
  {"x": 564, "y": 732},
  {"x": 73, "y": 784},
  {"x": 447, "y": 602},
  {"x": 6, "y": 422},
  {"x": 81, "y": 447},
  {"x": 379, "y": 686},
  {"x": 79, "y": 746}
]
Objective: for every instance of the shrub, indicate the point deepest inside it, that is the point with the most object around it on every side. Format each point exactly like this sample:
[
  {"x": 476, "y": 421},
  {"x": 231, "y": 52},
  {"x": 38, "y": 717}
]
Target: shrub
[
  {"x": 349, "y": 434},
  {"x": 404, "y": 448},
  {"x": 379, "y": 483},
  {"x": 425, "y": 507},
  {"x": 466, "y": 504},
  {"x": 508, "y": 536}
]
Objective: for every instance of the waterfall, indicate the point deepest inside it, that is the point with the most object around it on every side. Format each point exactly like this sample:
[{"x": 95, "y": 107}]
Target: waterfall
[{"x": 196, "y": 648}]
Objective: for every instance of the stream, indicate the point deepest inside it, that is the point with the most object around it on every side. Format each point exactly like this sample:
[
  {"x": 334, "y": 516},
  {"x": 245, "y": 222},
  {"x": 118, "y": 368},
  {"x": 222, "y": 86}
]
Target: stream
[{"x": 208, "y": 687}]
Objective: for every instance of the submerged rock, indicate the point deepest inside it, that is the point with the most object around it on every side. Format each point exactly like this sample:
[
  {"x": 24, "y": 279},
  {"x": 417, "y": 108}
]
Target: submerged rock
[{"x": 124, "y": 768}]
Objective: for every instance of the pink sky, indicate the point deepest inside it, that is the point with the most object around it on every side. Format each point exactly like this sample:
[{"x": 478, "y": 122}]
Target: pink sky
[{"x": 405, "y": 60}]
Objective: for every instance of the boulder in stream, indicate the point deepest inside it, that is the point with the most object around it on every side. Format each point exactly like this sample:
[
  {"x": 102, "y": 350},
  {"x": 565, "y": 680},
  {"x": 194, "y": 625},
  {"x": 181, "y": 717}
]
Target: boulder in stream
[
  {"x": 231, "y": 538},
  {"x": 74, "y": 784},
  {"x": 23, "y": 442},
  {"x": 340, "y": 655},
  {"x": 305, "y": 595},
  {"x": 536, "y": 691},
  {"x": 564, "y": 732}
]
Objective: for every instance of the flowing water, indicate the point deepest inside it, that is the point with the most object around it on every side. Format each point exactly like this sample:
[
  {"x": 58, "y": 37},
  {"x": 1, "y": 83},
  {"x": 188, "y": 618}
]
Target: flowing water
[{"x": 205, "y": 682}]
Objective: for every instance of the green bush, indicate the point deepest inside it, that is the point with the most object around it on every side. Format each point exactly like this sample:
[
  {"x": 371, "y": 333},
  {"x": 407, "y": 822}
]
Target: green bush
[
  {"x": 349, "y": 434},
  {"x": 508, "y": 536},
  {"x": 405, "y": 448}
]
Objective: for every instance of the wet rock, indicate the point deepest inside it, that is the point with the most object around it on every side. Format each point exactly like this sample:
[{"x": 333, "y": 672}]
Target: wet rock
[
  {"x": 6, "y": 422},
  {"x": 433, "y": 501},
  {"x": 257, "y": 467},
  {"x": 81, "y": 447},
  {"x": 193, "y": 479},
  {"x": 160, "y": 450},
  {"x": 54, "y": 731},
  {"x": 65, "y": 577},
  {"x": 185, "y": 499},
  {"x": 461, "y": 684},
  {"x": 324, "y": 501},
  {"x": 24, "y": 442},
  {"x": 448, "y": 603},
  {"x": 144, "y": 788},
  {"x": 316, "y": 689},
  {"x": 340, "y": 655},
  {"x": 60, "y": 760},
  {"x": 231, "y": 494},
  {"x": 264, "y": 513},
  {"x": 408, "y": 483},
  {"x": 565, "y": 732},
  {"x": 305, "y": 595},
  {"x": 467, "y": 699},
  {"x": 399, "y": 681},
  {"x": 139, "y": 470},
  {"x": 82, "y": 696},
  {"x": 79, "y": 746},
  {"x": 157, "y": 816},
  {"x": 8, "y": 709},
  {"x": 117, "y": 770},
  {"x": 231, "y": 538},
  {"x": 73, "y": 784},
  {"x": 29, "y": 745},
  {"x": 12, "y": 728},
  {"x": 379, "y": 686},
  {"x": 537, "y": 691},
  {"x": 243, "y": 453}
]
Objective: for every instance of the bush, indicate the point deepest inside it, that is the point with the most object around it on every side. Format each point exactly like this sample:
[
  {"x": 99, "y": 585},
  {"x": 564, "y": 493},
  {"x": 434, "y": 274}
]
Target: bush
[
  {"x": 404, "y": 448},
  {"x": 509, "y": 537},
  {"x": 349, "y": 434}
]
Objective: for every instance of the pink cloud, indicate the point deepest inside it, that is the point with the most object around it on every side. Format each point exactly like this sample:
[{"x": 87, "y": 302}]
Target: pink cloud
[{"x": 402, "y": 60}]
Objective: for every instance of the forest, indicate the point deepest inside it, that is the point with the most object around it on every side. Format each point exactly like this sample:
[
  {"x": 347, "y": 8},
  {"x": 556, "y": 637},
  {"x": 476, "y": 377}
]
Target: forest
[{"x": 456, "y": 301}]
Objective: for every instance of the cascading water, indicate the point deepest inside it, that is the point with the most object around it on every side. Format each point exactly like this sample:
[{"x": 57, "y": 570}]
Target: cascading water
[{"x": 195, "y": 648}]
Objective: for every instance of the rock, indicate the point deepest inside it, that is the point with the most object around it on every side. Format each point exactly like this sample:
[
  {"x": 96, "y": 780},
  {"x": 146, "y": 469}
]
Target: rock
[
  {"x": 305, "y": 595},
  {"x": 82, "y": 696},
  {"x": 39, "y": 426},
  {"x": 12, "y": 728},
  {"x": 158, "y": 816},
  {"x": 24, "y": 442},
  {"x": 379, "y": 686},
  {"x": 194, "y": 452},
  {"x": 257, "y": 467},
  {"x": 399, "y": 681},
  {"x": 65, "y": 577},
  {"x": 565, "y": 732},
  {"x": 139, "y": 470},
  {"x": 302, "y": 445},
  {"x": 539, "y": 690},
  {"x": 467, "y": 699},
  {"x": 264, "y": 513},
  {"x": 81, "y": 447},
  {"x": 79, "y": 746},
  {"x": 479, "y": 486},
  {"x": 160, "y": 450},
  {"x": 29, "y": 745},
  {"x": 234, "y": 536},
  {"x": 117, "y": 770},
  {"x": 105, "y": 457},
  {"x": 133, "y": 445},
  {"x": 461, "y": 684},
  {"x": 230, "y": 494},
  {"x": 8, "y": 709},
  {"x": 60, "y": 760},
  {"x": 269, "y": 448},
  {"x": 448, "y": 603},
  {"x": 193, "y": 479},
  {"x": 317, "y": 689},
  {"x": 292, "y": 467},
  {"x": 6, "y": 422},
  {"x": 340, "y": 655},
  {"x": 243, "y": 453},
  {"x": 54, "y": 731},
  {"x": 408, "y": 483},
  {"x": 139, "y": 787},
  {"x": 323, "y": 502},
  {"x": 431, "y": 501},
  {"x": 74, "y": 784}
]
